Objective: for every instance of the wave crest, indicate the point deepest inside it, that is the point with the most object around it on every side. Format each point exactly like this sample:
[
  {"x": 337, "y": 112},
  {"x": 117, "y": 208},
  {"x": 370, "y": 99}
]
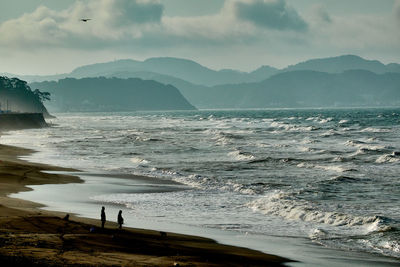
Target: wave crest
[{"x": 286, "y": 206}]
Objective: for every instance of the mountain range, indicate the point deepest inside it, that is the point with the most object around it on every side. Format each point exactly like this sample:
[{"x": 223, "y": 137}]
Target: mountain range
[
  {"x": 197, "y": 74},
  {"x": 307, "y": 88},
  {"x": 334, "y": 81}
]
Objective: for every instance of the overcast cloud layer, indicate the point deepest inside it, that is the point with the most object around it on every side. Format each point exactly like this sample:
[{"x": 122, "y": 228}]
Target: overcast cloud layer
[{"x": 243, "y": 34}]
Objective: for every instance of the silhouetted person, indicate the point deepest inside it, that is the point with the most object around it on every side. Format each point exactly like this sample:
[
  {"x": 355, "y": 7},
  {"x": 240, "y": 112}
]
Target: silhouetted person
[
  {"x": 103, "y": 217},
  {"x": 120, "y": 219},
  {"x": 66, "y": 218}
]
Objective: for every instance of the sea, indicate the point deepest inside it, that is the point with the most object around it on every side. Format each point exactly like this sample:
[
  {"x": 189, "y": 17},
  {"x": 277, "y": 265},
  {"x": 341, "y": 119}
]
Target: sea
[{"x": 331, "y": 176}]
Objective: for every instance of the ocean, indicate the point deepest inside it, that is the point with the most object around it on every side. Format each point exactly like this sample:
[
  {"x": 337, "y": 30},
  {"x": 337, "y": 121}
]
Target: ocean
[{"x": 331, "y": 176}]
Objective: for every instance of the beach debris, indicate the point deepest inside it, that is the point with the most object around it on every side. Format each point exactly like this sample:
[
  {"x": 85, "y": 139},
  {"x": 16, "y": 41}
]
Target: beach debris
[{"x": 92, "y": 229}]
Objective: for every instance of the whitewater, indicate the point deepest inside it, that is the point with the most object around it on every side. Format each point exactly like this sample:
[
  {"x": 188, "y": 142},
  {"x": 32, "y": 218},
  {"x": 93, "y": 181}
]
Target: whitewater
[{"x": 328, "y": 175}]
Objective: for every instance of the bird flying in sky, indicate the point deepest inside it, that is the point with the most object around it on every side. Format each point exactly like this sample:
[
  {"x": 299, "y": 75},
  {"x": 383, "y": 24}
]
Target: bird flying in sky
[{"x": 85, "y": 20}]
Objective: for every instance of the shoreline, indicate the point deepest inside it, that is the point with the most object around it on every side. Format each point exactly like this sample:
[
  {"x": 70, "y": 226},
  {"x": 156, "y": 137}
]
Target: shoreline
[{"x": 38, "y": 237}]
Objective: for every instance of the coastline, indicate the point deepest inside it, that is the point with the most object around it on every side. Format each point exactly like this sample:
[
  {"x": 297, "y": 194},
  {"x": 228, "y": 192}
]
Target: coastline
[{"x": 38, "y": 237}]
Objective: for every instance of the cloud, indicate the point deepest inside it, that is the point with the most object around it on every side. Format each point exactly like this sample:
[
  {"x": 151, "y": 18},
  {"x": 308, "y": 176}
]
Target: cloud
[
  {"x": 126, "y": 24},
  {"x": 396, "y": 9},
  {"x": 229, "y": 26},
  {"x": 127, "y": 12},
  {"x": 112, "y": 21},
  {"x": 319, "y": 13},
  {"x": 273, "y": 14},
  {"x": 256, "y": 30},
  {"x": 119, "y": 12}
]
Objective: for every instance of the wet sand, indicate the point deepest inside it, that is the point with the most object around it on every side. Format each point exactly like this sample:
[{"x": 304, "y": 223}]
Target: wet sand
[{"x": 29, "y": 236}]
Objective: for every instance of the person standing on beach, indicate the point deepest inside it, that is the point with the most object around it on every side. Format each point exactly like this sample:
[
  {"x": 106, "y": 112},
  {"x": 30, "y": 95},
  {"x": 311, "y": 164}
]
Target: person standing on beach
[
  {"x": 103, "y": 217},
  {"x": 120, "y": 219}
]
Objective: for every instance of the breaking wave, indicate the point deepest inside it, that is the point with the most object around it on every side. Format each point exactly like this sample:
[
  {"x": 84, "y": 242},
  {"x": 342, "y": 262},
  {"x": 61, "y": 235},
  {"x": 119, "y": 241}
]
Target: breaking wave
[
  {"x": 286, "y": 206},
  {"x": 335, "y": 168},
  {"x": 241, "y": 156},
  {"x": 140, "y": 161},
  {"x": 389, "y": 158}
]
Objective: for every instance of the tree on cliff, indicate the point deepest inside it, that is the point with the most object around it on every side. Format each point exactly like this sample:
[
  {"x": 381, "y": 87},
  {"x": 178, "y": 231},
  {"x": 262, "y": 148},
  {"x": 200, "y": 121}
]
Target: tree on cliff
[
  {"x": 42, "y": 96},
  {"x": 17, "y": 96}
]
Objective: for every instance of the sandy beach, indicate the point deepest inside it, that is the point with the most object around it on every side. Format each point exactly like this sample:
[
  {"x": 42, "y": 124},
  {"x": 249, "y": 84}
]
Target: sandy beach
[{"x": 30, "y": 236}]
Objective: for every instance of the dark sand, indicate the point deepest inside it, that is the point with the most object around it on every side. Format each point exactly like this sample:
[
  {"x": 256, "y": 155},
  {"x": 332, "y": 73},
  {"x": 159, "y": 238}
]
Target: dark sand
[{"x": 33, "y": 237}]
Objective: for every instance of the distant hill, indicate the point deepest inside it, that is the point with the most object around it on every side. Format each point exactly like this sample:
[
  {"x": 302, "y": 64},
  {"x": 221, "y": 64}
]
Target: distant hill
[
  {"x": 293, "y": 89},
  {"x": 343, "y": 63},
  {"x": 265, "y": 86},
  {"x": 309, "y": 89},
  {"x": 112, "y": 94},
  {"x": 17, "y": 96},
  {"x": 183, "y": 69},
  {"x": 262, "y": 73},
  {"x": 196, "y": 74}
]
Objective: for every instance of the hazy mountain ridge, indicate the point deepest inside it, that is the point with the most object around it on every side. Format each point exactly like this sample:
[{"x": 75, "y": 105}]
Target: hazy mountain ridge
[
  {"x": 266, "y": 86},
  {"x": 183, "y": 69},
  {"x": 197, "y": 74},
  {"x": 306, "y": 88},
  {"x": 112, "y": 94},
  {"x": 343, "y": 63}
]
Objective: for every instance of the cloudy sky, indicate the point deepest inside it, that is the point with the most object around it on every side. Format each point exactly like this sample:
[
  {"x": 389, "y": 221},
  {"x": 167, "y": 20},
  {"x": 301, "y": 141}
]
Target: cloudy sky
[{"x": 47, "y": 36}]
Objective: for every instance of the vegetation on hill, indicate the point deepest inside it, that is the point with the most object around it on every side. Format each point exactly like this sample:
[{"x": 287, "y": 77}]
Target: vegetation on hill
[
  {"x": 17, "y": 96},
  {"x": 113, "y": 94}
]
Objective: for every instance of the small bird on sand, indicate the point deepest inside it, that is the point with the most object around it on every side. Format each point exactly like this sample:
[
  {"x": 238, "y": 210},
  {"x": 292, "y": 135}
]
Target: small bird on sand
[{"x": 85, "y": 20}]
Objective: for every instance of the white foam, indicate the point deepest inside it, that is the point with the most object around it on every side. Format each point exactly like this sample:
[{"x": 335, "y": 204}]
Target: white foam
[
  {"x": 306, "y": 149},
  {"x": 290, "y": 127},
  {"x": 386, "y": 247},
  {"x": 322, "y": 121},
  {"x": 236, "y": 187},
  {"x": 262, "y": 145},
  {"x": 391, "y": 245},
  {"x": 375, "y": 130},
  {"x": 139, "y": 161},
  {"x": 227, "y": 138},
  {"x": 318, "y": 233},
  {"x": 329, "y": 133},
  {"x": 353, "y": 143},
  {"x": 240, "y": 156},
  {"x": 334, "y": 168},
  {"x": 388, "y": 158},
  {"x": 194, "y": 183},
  {"x": 363, "y": 147},
  {"x": 339, "y": 159},
  {"x": 284, "y": 205}
]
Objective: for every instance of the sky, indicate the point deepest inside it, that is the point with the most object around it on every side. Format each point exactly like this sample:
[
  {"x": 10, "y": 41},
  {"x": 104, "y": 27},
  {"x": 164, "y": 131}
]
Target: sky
[{"x": 47, "y": 36}]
